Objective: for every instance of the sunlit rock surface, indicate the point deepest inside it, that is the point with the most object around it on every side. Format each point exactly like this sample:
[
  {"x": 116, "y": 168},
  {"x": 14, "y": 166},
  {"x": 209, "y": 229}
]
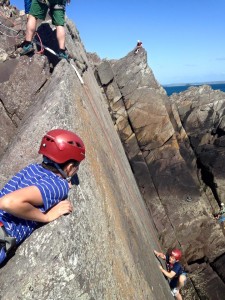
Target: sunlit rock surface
[{"x": 152, "y": 178}]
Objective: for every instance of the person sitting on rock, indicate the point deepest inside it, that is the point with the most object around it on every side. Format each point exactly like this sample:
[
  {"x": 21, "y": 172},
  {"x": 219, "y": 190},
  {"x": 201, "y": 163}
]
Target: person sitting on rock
[
  {"x": 36, "y": 195},
  {"x": 39, "y": 10},
  {"x": 138, "y": 46},
  {"x": 174, "y": 271}
]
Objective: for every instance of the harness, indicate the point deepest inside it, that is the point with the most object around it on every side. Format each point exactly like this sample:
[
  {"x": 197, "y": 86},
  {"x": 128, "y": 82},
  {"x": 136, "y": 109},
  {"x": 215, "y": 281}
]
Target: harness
[
  {"x": 6, "y": 241},
  {"x": 55, "y": 7}
]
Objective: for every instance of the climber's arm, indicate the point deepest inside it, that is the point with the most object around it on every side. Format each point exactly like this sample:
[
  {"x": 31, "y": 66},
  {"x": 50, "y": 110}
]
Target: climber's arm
[
  {"x": 170, "y": 274},
  {"x": 24, "y": 203}
]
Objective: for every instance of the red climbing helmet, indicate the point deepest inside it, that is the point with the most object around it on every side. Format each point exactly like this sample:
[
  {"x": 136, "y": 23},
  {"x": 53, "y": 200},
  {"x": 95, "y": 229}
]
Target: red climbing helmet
[
  {"x": 62, "y": 145},
  {"x": 176, "y": 253}
]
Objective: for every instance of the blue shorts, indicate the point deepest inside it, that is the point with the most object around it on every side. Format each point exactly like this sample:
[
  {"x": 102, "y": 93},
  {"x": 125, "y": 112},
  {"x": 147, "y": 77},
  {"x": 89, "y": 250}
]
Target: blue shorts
[
  {"x": 174, "y": 281},
  {"x": 185, "y": 274}
]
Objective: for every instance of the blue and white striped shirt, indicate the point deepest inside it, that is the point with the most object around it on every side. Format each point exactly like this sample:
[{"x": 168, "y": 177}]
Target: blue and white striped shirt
[{"x": 53, "y": 189}]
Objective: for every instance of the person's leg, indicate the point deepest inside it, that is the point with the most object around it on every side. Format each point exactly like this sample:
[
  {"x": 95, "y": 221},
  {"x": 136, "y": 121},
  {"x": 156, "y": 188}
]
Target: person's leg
[
  {"x": 180, "y": 284},
  {"x": 61, "y": 36},
  {"x": 178, "y": 295},
  {"x": 31, "y": 28},
  {"x": 181, "y": 281},
  {"x": 37, "y": 11},
  {"x": 58, "y": 19}
]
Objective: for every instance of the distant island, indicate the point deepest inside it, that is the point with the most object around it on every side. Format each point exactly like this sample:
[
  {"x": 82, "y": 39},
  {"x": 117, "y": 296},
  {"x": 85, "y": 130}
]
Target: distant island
[
  {"x": 181, "y": 87},
  {"x": 195, "y": 83}
]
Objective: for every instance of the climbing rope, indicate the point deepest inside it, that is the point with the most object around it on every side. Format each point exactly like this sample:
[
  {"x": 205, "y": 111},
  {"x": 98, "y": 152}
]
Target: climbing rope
[
  {"x": 39, "y": 43},
  {"x": 10, "y": 36},
  {"x": 76, "y": 71},
  {"x": 7, "y": 18},
  {"x": 43, "y": 47},
  {"x": 17, "y": 32},
  {"x": 8, "y": 28}
]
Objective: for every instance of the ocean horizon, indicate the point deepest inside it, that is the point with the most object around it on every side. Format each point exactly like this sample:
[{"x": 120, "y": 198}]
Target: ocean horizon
[{"x": 170, "y": 89}]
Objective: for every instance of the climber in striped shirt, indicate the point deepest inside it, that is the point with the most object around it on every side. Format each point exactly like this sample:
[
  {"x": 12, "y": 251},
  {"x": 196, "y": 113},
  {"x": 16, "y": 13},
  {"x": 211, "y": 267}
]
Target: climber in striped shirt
[{"x": 34, "y": 195}]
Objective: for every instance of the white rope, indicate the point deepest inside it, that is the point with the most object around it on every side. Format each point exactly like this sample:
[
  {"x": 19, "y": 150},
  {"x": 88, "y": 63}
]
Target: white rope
[
  {"x": 54, "y": 53},
  {"x": 11, "y": 36},
  {"x": 9, "y": 28},
  {"x": 76, "y": 71}
]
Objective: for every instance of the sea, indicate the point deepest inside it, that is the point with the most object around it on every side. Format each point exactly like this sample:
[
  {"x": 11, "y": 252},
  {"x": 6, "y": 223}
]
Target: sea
[{"x": 181, "y": 88}]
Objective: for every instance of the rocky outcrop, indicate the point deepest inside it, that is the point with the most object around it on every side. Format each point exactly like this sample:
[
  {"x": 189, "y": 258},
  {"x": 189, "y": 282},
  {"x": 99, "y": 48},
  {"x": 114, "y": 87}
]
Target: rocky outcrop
[
  {"x": 158, "y": 136},
  {"x": 202, "y": 114},
  {"x": 174, "y": 147},
  {"x": 104, "y": 250},
  {"x": 4, "y": 2}
]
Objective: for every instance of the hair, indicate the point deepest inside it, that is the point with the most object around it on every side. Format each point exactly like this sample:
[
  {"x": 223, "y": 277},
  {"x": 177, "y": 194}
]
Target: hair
[
  {"x": 52, "y": 167},
  {"x": 169, "y": 251}
]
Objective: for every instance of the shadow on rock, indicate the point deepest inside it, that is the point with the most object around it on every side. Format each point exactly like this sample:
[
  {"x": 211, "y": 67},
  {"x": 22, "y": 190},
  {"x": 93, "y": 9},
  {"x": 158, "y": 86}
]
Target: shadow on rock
[{"x": 47, "y": 37}]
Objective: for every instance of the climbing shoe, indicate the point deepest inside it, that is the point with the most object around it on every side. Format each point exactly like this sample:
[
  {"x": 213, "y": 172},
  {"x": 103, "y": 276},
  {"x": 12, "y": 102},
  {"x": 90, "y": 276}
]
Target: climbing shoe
[
  {"x": 63, "y": 55},
  {"x": 27, "y": 48}
]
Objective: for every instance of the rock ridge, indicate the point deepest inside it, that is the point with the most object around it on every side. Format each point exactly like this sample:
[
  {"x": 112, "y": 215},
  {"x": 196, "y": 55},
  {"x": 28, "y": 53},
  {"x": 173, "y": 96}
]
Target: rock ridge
[
  {"x": 172, "y": 161},
  {"x": 152, "y": 178}
]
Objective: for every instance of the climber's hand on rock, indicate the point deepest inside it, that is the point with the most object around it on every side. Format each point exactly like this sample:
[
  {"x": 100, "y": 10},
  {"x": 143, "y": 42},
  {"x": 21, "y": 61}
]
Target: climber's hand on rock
[{"x": 62, "y": 208}]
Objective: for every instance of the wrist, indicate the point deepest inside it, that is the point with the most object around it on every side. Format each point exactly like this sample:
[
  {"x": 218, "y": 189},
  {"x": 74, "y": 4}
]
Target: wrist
[
  {"x": 161, "y": 268},
  {"x": 46, "y": 218}
]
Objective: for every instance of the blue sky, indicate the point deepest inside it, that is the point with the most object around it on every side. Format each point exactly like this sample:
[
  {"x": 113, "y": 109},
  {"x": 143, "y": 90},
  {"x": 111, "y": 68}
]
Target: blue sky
[{"x": 184, "y": 39}]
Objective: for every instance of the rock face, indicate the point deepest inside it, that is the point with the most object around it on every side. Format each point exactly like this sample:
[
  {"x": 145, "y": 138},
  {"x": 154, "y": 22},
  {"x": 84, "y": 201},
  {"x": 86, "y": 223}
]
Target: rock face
[
  {"x": 202, "y": 115},
  {"x": 174, "y": 146},
  {"x": 158, "y": 188},
  {"x": 104, "y": 250}
]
